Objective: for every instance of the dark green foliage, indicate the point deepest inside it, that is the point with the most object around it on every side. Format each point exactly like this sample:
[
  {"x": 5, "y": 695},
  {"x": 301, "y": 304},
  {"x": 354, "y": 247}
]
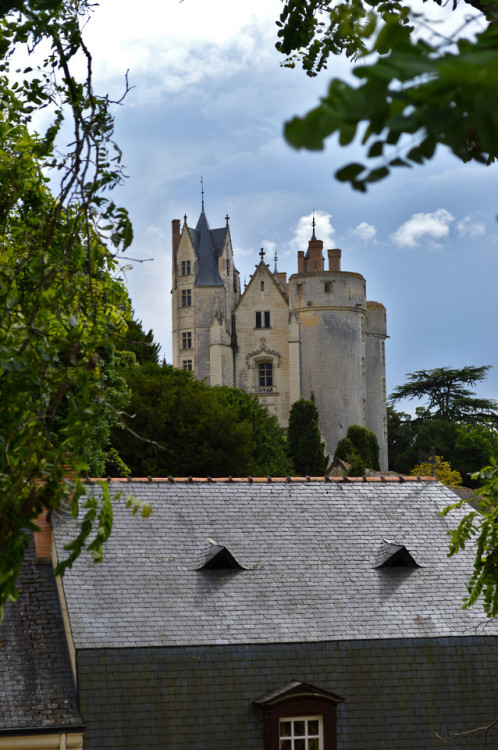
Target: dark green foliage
[
  {"x": 359, "y": 448},
  {"x": 305, "y": 447},
  {"x": 453, "y": 422},
  {"x": 140, "y": 343},
  {"x": 195, "y": 430},
  {"x": 436, "y": 90}
]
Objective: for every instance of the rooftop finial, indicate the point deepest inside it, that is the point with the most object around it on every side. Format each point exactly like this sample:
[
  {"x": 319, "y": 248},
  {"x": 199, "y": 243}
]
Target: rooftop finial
[
  {"x": 313, "y": 224},
  {"x": 227, "y": 218},
  {"x": 262, "y": 253},
  {"x": 275, "y": 259},
  {"x": 202, "y": 193}
]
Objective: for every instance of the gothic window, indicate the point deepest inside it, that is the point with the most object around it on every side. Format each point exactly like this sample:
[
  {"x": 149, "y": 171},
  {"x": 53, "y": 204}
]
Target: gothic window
[
  {"x": 265, "y": 375},
  {"x": 187, "y": 365},
  {"x": 187, "y": 340},
  {"x": 186, "y": 297},
  {"x": 263, "y": 319},
  {"x": 185, "y": 268}
]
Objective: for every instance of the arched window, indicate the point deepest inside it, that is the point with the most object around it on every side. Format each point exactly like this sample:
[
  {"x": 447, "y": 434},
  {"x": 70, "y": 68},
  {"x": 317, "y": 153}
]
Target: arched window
[{"x": 300, "y": 715}]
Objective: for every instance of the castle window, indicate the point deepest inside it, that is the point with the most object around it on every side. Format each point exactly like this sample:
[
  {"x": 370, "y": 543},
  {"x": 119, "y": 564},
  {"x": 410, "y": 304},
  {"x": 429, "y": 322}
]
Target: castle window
[
  {"x": 186, "y": 297},
  {"x": 187, "y": 340},
  {"x": 263, "y": 319},
  {"x": 185, "y": 268},
  {"x": 299, "y": 289},
  {"x": 187, "y": 365},
  {"x": 304, "y": 732},
  {"x": 327, "y": 287},
  {"x": 265, "y": 375},
  {"x": 262, "y": 286},
  {"x": 228, "y": 267}
]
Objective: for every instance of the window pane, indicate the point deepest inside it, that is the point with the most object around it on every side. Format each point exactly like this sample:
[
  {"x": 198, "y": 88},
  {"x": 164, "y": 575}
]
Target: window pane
[
  {"x": 299, "y": 729},
  {"x": 313, "y": 727},
  {"x": 285, "y": 728},
  {"x": 299, "y": 744},
  {"x": 267, "y": 319},
  {"x": 258, "y": 320},
  {"x": 285, "y": 745},
  {"x": 313, "y": 744}
]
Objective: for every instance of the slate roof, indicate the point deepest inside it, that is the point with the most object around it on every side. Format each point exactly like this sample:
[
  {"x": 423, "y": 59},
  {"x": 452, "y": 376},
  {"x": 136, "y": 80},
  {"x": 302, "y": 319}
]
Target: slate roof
[
  {"x": 36, "y": 688},
  {"x": 308, "y": 550},
  {"x": 208, "y": 245}
]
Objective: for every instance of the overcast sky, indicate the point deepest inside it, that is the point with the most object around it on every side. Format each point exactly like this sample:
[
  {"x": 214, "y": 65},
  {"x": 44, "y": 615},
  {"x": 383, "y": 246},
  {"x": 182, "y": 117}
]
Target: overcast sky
[{"x": 210, "y": 98}]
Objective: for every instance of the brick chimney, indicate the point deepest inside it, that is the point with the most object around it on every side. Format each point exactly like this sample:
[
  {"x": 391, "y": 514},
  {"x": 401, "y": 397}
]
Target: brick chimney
[
  {"x": 334, "y": 260},
  {"x": 300, "y": 261},
  {"x": 43, "y": 538}
]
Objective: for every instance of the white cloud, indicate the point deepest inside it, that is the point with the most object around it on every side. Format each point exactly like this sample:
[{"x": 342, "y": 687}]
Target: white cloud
[
  {"x": 364, "y": 231},
  {"x": 429, "y": 228},
  {"x": 469, "y": 227},
  {"x": 323, "y": 230}
]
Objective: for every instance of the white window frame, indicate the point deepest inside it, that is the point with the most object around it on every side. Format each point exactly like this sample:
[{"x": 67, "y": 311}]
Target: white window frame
[{"x": 293, "y": 737}]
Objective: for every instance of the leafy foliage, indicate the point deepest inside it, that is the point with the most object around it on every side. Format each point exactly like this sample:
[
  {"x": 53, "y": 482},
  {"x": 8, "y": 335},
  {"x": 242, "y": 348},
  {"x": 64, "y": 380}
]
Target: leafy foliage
[
  {"x": 439, "y": 468},
  {"x": 481, "y": 528},
  {"x": 196, "y": 430},
  {"x": 415, "y": 94},
  {"x": 453, "y": 422},
  {"x": 61, "y": 301},
  {"x": 360, "y": 448},
  {"x": 140, "y": 343},
  {"x": 305, "y": 447}
]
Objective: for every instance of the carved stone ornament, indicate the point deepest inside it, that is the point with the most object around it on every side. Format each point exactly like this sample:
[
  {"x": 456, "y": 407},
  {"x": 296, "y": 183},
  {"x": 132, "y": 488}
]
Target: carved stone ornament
[
  {"x": 218, "y": 313},
  {"x": 262, "y": 354}
]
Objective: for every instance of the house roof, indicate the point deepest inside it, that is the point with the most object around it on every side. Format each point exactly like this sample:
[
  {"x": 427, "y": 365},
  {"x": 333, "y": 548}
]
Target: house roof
[
  {"x": 309, "y": 553},
  {"x": 36, "y": 688}
]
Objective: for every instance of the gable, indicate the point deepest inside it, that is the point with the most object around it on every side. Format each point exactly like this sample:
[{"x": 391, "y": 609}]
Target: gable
[{"x": 273, "y": 292}]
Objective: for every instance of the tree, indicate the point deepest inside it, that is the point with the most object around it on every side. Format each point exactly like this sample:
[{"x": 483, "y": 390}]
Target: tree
[
  {"x": 360, "y": 448},
  {"x": 61, "y": 300},
  {"x": 439, "y": 468},
  {"x": 196, "y": 430},
  {"x": 453, "y": 422},
  {"x": 140, "y": 343},
  {"x": 419, "y": 87},
  {"x": 481, "y": 528},
  {"x": 305, "y": 447},
  {"x": 448, "y": 395}
]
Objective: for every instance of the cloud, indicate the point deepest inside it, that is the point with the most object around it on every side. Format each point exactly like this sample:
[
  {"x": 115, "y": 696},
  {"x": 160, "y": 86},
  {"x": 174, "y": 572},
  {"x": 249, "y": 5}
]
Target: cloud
[
  {"x": 422, "y": 227},
  {"x": 469, "y": 227},
  {"x": 364, "y": 231},
  {"x": 323, "y": 230}
]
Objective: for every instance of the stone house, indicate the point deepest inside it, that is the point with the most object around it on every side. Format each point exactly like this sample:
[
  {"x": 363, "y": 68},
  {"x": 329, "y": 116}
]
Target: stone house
[
  {"x": 299, "y": 615},
  {"x": 281, "y": 339}
]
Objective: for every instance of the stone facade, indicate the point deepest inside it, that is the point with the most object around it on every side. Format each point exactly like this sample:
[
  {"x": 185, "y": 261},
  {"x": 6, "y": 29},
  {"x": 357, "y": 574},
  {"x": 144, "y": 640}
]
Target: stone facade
[{"x": 281, "y": 340}]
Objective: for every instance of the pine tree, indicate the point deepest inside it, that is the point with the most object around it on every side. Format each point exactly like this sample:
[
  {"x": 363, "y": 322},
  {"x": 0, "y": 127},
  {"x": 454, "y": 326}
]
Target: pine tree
[{"x": 304, "y": 443}]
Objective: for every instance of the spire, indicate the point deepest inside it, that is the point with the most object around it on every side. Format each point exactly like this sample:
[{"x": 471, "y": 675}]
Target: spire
[
  {"x": 275, "y": 270},
  {"x": 202, "y": 193},
  {"x": 313, "y": 224}
]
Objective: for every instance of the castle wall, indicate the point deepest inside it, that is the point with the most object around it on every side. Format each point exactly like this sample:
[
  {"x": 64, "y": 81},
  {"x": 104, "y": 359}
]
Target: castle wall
[
  {"x": 270, "y": 345},
  {"x": 376, "y": 416}
]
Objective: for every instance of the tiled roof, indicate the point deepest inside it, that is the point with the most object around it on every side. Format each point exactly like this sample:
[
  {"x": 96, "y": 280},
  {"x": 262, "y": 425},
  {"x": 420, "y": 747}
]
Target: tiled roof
[
  {"x": 207, "y": 253},
  {"x": 309, "y": 550},
  {"x": 36, "y": 689}
]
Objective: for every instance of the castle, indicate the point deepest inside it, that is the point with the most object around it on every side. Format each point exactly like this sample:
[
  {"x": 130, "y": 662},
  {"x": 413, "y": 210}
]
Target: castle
[{"x": 281, "y": 339}]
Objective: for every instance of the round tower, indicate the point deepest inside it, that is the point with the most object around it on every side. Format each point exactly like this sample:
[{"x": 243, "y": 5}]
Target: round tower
[{"x": 331, "y": 308}]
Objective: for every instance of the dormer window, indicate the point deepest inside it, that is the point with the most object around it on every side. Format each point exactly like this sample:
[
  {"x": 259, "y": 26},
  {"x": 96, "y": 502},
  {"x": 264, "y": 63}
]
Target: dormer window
[
  {"x": 186, "y": 268},
  {"x": 393, "y": 555},
  {"x": 218, "y": 557}
]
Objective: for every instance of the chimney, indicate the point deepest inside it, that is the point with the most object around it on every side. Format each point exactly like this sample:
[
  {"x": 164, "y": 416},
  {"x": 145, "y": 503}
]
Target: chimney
[
  {"x": 175, "y": 241},
  {"x": 43, "y": 538},
  {"x": 282, "y": 276},
  {"x": 334, "y": 260},
  {"x": 300, "y": 261},
  {"x": 315, "y": 257}
]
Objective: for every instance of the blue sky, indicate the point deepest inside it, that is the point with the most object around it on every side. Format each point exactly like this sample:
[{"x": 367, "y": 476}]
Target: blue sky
[{"x": 210, "y": 98}]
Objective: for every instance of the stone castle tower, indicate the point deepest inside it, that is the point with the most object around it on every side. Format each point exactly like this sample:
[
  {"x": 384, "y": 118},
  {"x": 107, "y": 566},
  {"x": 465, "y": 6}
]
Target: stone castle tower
[{"x": 281, "y": 340}]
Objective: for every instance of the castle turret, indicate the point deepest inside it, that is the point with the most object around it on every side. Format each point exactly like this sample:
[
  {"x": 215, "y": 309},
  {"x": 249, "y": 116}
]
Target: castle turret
[{"x": 339, "y": 354}]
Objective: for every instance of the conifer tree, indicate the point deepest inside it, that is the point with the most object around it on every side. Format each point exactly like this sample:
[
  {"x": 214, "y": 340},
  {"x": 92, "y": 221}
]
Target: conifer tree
[{"x": 304, "y": 443}]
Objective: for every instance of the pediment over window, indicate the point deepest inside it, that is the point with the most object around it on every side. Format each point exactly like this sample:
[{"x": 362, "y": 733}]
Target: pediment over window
[
  {"x": 263, "y": 354},
  {"x": 218, "y": 557},
  {"x": 393, "y": 555},
  {"x": 297, "y": 691}
]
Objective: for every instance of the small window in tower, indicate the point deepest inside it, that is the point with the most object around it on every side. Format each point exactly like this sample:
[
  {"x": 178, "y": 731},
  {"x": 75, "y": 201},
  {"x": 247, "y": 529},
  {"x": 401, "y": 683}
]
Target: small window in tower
[
  {"x": 186, "y": 297},
  {"x": 327, "y": 287},
  {"x": 263, "y": 319},
  {"x": 299, "y": 289},
  {"x": 187, "y": 365},
  {"x": 265, "y": 375},
  {"x": 262, "y": 286},
  {"x": 228, "y": 267},
  {"x": 187, "y": 340},
  {"x": 185, "y": 268}
]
